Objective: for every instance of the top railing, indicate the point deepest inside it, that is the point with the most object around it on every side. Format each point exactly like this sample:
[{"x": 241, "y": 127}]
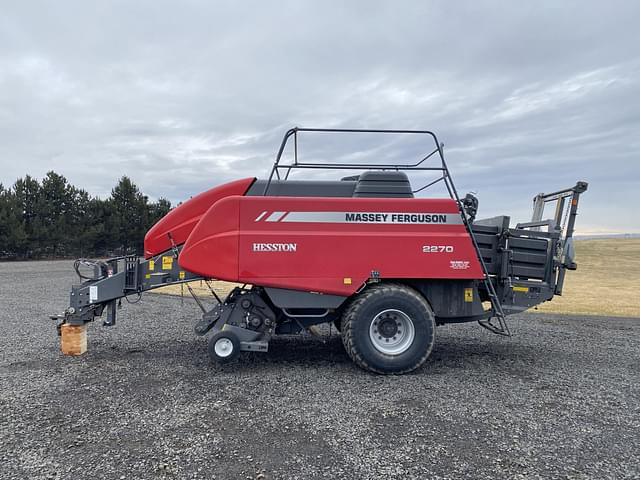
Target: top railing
[{"x": 417, "y": 166}]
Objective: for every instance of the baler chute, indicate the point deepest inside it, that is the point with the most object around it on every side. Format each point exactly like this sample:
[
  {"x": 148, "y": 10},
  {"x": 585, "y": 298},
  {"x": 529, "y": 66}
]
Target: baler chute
[{"x": 362, "y": 253}]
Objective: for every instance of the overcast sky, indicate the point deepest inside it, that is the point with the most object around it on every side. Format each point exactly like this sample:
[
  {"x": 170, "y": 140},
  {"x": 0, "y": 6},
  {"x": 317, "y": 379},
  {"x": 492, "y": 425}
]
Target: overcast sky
[{"x": 182, "y": 96}]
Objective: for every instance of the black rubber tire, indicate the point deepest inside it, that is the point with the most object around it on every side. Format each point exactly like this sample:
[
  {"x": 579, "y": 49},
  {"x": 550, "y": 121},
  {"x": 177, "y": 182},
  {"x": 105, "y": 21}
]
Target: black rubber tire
[
  {"x": 359, "y": 315},
  {"x": 338, "y": 324},
  {"x": 235, "y": 342}
]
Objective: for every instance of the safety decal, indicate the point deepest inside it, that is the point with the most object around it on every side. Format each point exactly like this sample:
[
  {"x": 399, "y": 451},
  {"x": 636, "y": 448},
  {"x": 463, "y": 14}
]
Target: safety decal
[
  {"x": 167, "y": 263},
  {"x": 459, "y": 264},
  {"x": 468, "y": 295}
]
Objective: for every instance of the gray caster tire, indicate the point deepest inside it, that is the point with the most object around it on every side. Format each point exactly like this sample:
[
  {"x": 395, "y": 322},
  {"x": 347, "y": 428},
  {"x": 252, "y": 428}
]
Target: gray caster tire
[{"x": 224, "y": 347}]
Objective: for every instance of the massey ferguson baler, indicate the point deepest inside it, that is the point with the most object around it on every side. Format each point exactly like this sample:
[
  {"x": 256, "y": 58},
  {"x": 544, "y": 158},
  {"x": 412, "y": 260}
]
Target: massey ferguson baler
[{"x": 362, "y": 253}]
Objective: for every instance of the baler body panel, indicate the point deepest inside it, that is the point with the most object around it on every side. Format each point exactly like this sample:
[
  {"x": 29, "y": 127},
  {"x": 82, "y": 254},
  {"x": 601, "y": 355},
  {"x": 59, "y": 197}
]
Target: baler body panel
[
  {"x": 330, "y": 245},
  {"x": 212, "y": 248},
  {"x": 177, "y": 225}
]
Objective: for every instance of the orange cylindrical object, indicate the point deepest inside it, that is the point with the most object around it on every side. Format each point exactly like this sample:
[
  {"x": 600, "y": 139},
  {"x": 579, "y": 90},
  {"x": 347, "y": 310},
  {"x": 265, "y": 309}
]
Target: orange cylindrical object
[{"x": 73, "y": 339}]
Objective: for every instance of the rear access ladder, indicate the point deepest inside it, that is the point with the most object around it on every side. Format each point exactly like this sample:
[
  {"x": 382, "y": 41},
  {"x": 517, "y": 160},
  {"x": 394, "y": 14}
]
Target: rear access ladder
[{"x": 496, "y": 321}]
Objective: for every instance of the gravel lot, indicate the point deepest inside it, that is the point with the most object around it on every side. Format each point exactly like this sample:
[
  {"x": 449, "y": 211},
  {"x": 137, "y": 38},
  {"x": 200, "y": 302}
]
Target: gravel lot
[{"x": 561, "y": 399}]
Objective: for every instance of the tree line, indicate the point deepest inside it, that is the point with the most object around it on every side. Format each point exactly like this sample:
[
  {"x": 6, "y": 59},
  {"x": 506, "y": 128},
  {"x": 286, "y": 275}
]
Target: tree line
[{"x": 52, "y": 218}]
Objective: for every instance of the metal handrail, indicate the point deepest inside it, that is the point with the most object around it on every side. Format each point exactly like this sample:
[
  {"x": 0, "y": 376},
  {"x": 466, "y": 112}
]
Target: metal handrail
[{"x": 277, "y": 166}]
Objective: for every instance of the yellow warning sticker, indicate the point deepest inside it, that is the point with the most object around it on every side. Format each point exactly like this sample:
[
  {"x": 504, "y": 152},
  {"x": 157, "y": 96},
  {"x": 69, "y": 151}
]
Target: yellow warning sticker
[
  {"x": 468, "y": 295},
  {"x": 152, "y": 265},
  {"x": 181, "y": 275},
  {"x": 147, "y": 276},
  {"x": 167, "y": 263},
  {"x": 346, "y": 281},
  {"x": 521, "y": 289}
]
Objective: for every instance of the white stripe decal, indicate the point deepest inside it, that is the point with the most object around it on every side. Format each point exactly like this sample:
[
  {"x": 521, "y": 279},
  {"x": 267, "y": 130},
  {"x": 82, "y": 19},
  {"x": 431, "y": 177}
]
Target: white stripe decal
[
  {"x": 259, "y": 217},
  {"x": 276, "y": 216},
  {"x": 373, "y": 217}
]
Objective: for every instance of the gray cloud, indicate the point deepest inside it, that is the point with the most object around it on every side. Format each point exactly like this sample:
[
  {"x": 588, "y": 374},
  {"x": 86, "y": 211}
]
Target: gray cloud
[{"x": 181, "y": 97}]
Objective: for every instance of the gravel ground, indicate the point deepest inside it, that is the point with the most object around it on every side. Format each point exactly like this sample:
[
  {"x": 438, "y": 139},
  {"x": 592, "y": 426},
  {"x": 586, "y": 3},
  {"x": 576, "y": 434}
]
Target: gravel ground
[{"x": 561, "y": 399}]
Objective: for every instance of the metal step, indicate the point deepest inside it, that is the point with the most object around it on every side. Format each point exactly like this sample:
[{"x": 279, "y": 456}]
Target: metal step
[{"x": 501, "y": 327}]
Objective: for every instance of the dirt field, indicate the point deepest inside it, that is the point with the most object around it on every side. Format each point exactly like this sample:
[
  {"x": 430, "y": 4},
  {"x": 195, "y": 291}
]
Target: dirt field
[
  {"x": 606, "y": 282},
  {"x": 561, "y": 399}
]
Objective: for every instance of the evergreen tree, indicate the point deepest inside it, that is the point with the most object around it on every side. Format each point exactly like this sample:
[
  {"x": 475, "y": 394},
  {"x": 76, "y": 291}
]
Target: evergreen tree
[
  {"x": 54, "y": 218},
  {"x": 27, "y": 194},
  {"x": 13, "y": 238},
  {"x": 54, "y": 215},
  {"x": 5, "y": 232},
  {"x": 158, "y": 210},
  {"x": 130, "y": 215},
  {"x": 7, "y": 221},
  {"x": 80, "y": 221}
]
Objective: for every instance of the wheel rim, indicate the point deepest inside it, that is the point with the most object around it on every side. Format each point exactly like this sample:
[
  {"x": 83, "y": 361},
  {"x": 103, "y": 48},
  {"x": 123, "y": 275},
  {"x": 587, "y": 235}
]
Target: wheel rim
[
  {"x": 223, "y": 347},
  {"x": 392, "y": 332}
]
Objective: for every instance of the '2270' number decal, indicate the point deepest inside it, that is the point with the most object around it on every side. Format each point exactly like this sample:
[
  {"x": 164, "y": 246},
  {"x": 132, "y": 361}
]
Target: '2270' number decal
[{"x": 437, "y": 249}]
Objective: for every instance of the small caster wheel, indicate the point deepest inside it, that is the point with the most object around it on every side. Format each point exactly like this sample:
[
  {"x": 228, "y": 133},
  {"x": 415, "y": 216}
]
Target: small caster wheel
[{"x": 224, "y": 347}]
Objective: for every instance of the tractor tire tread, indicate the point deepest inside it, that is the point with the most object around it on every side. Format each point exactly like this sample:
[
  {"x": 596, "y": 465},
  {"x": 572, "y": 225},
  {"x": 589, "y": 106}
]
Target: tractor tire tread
[{"x": 350, "y": 314}]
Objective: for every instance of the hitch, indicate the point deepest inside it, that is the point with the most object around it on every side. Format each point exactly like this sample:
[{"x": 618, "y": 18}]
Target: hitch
[{"x": 111, "y": 280}]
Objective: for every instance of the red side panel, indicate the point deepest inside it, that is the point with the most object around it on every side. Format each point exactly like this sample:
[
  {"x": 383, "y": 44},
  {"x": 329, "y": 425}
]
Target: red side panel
[
  {"x": 181, "y": 220},
  {"x": 212, "y": 248},
  {"x": 330, "y": 245}
]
